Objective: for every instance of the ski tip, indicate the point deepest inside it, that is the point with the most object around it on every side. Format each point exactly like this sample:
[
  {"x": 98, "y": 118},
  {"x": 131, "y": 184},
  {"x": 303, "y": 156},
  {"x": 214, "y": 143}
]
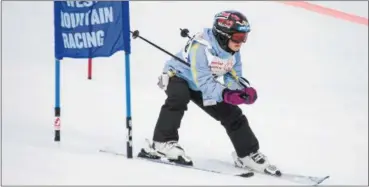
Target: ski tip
[
  {"x": 278, "y": 173},
  {"x": 322, "y": 180},
  {"x": 248, "y": 174}
]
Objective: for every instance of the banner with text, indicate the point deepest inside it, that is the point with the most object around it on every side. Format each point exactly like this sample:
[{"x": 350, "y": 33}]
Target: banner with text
[{"x": 87, "y": 29}]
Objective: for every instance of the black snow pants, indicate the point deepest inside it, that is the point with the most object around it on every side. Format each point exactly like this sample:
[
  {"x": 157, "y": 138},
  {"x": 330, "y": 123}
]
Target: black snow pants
[{"x": 230, "y": 116}]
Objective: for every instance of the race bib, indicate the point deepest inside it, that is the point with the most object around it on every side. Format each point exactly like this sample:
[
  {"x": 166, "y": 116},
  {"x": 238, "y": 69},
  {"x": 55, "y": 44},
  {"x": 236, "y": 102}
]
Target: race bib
[{"x": 219, "y": 66}]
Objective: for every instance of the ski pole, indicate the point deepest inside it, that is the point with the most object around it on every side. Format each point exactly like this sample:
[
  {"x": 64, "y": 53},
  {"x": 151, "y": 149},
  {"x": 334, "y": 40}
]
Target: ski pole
[{"x": 136, "y": 34}]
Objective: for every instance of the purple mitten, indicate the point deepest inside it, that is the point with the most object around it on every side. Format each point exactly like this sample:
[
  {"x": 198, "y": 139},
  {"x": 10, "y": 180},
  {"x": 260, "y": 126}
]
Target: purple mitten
[
  {"x": 237, "y": 97},
  {"x": 251, "y": 95},
  {"x": 233, "y": 97}
]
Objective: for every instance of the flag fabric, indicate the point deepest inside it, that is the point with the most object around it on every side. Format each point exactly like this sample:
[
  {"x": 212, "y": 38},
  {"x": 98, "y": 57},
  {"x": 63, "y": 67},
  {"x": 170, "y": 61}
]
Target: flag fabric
[{"x": 88, "y": 29}]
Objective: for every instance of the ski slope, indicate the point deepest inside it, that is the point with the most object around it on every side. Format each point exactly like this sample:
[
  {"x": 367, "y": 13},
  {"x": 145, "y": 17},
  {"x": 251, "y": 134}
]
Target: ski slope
[{"x": 311, "y": 116}]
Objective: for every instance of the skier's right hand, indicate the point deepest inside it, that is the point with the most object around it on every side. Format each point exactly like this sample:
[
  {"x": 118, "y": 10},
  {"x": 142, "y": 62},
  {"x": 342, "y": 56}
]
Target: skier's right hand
[
  {"x": 237, "y": 97},
  {"x": 163, "y": 81}
]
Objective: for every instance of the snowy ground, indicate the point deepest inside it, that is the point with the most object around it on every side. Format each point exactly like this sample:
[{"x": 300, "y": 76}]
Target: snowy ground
[{"x": 311, "y": 116}]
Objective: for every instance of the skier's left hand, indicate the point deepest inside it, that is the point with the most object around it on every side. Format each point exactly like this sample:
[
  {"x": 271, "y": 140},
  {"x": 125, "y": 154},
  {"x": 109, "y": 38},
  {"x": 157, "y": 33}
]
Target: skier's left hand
[
  {"x": 250, "y": 95},
  {"x": 235, "y": 97}
]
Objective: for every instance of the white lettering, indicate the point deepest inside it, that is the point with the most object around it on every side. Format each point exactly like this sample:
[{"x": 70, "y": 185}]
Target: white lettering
[
  {"x": 87, "y": 17},
  {"x": 77, "y": 38},
  {"x": 70, "y": 3},
  {"x": 72, "y": 43},
  {"x": 93, "y": 17},
  {"x": 83, "y": 40},
  {"x": 89, "y": 3},
  {"x": 83, "y": 4},
  {"x": 73, "y": 20},
  {"x": 108, "y": 12},
  {"x": 66, "y": 20},
  {"x": 100, "y": 37},
  {"x": 80, "y": 4},
  {"x": 91, "y": 39},
  {"x": 65, "y": 40},
  {"x": 62, "y": 19}
]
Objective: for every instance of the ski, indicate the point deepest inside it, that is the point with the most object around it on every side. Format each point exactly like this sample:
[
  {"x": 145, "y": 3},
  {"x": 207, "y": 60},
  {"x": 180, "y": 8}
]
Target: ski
[
  {"x": 292, "y": 177},
  {"x": 244, "y": 174},
  {"x": 303, "y": 179},
  {"x": 238, "y": 172},
  {"x": 297, "y": 178}
]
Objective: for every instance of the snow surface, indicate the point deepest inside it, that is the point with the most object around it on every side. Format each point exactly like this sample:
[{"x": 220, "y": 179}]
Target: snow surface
[{"x": 311, "y": 117}]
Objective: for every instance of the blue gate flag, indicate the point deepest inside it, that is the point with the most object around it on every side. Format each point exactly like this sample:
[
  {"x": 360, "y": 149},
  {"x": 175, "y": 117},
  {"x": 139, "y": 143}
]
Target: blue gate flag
[{"x": 88, "y": 29}]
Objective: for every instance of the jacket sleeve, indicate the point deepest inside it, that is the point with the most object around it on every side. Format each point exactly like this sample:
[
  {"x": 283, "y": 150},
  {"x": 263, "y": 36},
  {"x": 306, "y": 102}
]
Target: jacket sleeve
[
  {"x": 231, "y": 77},
  {"x": 202, "y": 75}
]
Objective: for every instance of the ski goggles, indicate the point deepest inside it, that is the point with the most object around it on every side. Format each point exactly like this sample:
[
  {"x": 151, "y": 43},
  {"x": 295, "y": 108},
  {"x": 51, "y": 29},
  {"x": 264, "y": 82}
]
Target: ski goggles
[{"x": 239, "y": 37}]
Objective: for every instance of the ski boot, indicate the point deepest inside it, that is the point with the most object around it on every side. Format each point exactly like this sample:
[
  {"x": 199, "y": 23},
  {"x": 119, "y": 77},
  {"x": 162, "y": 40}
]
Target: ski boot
[
  {"x": 257, "y": 162},
  {"x": 170, "y": 150}
]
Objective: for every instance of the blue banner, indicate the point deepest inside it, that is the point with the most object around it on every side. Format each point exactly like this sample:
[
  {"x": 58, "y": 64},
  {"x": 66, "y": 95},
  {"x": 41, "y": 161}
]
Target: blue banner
[{"x": 88, "y": 29}]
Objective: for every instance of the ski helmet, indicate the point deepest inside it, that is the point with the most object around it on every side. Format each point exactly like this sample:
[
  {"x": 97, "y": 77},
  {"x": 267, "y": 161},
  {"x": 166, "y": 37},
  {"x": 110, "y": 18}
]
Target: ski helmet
[{"x": 230, "y": 25}]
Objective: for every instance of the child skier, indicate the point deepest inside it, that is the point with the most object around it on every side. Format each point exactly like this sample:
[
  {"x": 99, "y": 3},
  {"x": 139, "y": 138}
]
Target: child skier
[{"x": 211, "y": 54}]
